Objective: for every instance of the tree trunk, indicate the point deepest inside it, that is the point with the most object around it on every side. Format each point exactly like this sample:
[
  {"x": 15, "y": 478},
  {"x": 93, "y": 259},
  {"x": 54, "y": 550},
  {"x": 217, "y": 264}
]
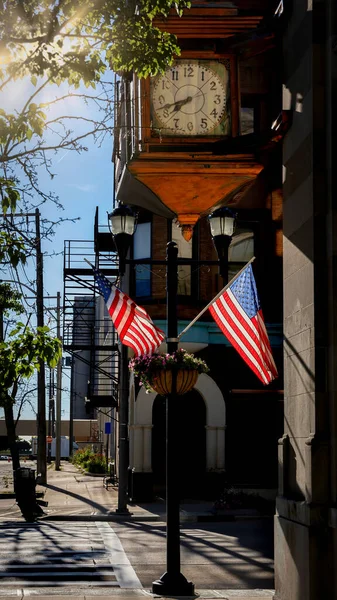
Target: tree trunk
[{"x": 10, "y": 426}]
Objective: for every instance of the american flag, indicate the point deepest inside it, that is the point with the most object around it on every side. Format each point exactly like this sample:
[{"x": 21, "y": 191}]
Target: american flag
[
  {"x": 238, "y": 314},
  {"x": 133, "y": 325}
]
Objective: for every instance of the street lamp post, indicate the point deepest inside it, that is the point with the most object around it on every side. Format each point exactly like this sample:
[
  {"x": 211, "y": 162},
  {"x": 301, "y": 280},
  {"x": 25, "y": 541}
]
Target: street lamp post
[
  {"x": 172, "y": 582},
  {"x": 123, "y": 223}
]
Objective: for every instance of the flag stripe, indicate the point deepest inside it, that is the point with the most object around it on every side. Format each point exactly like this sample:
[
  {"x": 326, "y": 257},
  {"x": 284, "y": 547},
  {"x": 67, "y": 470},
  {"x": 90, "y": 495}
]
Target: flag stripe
[
  {"x": 133, "y": 325},
  {"x": 238, "y": 314},
  {"x": 261, "y": 339},
  {"x": 264, "y": 336},
  {"x": 238, "y": 344},
  {"x": 249, "y": 333}
]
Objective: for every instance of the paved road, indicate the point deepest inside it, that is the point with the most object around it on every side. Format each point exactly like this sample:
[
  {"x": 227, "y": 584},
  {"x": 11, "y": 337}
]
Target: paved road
[{"x": 79, "y": 556}]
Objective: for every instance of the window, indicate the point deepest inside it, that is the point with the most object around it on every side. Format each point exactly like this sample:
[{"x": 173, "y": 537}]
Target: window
[
  {"x": 240, "y": 251},
  {"x": 184, "y": 251},
  {"x": 247, "y": 122},
  {"x": 142, "y": 249}
]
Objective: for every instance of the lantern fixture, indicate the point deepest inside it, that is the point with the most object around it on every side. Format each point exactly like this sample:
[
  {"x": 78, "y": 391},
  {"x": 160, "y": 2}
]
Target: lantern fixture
[
  {"x": 222, "y": 224},
  {"x": 122, "y": 225}
]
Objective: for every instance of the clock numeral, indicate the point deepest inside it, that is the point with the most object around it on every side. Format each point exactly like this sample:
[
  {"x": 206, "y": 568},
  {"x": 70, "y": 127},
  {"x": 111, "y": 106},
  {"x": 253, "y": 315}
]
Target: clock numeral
[
  {"x": 190, "y": 126},
  {"x": 175, "y": 75},
  {"x": 214, "y": 113},
  {"x": 217, "y": 99},
  {"x": 203, "y": 124},
  {"x": 188, "y": 71},
  {"x": 176, "y": 123},
  {"x": 165, "y": 85},
  {"x": 202, "y": 75},
  {"x": 166, "y": 113},
  {"x": 161, "y": 99},
  {"x": 213, "y": 85}
]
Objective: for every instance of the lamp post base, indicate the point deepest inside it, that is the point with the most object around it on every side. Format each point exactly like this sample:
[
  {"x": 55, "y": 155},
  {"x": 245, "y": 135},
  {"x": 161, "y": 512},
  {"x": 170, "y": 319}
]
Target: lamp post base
[
  {"x": 123, "y": 511},
  {"x": 173, "y": 585}
]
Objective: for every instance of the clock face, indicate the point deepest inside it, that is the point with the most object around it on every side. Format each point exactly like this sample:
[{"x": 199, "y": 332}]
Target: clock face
[{"x": 191, "y": 99}]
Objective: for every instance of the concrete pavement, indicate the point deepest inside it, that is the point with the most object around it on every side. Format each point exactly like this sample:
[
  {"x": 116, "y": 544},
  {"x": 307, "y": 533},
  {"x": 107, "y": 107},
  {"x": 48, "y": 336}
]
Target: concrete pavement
[{"x": 210, "y": 554}]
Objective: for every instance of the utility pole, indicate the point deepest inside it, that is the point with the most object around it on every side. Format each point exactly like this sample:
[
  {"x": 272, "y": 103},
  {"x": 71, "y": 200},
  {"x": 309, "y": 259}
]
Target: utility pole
[
  {"x": 51, "y": 412},
  {"x": 71, "y": 409},
  {"x": 41, "y": 379},
  {"x": 58, "y": 389}
]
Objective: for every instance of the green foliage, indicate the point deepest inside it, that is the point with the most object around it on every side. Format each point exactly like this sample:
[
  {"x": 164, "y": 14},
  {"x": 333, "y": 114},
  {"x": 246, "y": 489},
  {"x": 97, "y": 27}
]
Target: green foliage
[
  {"x": 10, "y": 299},
  {"x": 12, "y": 249},
  {"x": 8, "y": 193},
  {"x": 77, "y": 40},
  {"x": 74, "y": 42},
  {"x": 81, "y": 456},
  {"x": 22, "y": 355},
  {"x": 89, "y": 461}
]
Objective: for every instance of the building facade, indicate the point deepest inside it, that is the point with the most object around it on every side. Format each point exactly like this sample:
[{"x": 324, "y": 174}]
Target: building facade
[
  {"x": 274, "y": 164},
  {"x": 186, "y": 142}
]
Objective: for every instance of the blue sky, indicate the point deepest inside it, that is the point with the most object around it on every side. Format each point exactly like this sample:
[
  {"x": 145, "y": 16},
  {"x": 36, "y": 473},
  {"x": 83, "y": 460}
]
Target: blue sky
[{"x": 82, "y": 182}]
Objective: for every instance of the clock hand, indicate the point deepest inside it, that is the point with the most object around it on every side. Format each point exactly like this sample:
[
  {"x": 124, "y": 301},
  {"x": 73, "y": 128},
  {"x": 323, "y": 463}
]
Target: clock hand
[
  {"x": 181, "y": 103},
  {"x": 166, "y": 106}
]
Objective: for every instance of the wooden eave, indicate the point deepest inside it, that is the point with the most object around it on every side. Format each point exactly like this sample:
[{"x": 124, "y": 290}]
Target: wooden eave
[
  {"x": 191, "y": 185},
  {"x": 198, "y": 23}
]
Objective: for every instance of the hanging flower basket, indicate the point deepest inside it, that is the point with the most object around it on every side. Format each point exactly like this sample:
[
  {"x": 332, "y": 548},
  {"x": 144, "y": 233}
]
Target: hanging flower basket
[
  {"x": 162, "y": 381},
  {"x": 155, "y": 371}
]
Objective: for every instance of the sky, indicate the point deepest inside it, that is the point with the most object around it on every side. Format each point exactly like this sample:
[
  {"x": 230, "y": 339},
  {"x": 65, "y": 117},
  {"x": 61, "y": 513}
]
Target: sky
[{"x": 82, "y": 182}]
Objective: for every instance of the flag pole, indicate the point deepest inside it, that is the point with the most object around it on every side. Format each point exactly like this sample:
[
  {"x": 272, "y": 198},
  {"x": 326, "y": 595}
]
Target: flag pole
[
  {"x": 214, "y": 299},
  {"x": 89, "y": 263}
]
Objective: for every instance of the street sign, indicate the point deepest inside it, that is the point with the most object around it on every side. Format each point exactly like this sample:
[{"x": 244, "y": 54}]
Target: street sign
[{"x": 108, "y": 427}]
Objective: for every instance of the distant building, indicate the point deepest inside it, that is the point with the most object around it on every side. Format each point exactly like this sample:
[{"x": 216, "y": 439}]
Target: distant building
[{"x": 83, "y": 333}]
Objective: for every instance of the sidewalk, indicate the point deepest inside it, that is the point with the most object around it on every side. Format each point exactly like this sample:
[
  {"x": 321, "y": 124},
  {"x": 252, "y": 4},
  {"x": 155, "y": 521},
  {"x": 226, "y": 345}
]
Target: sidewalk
[{"x": 74, "y": 496}]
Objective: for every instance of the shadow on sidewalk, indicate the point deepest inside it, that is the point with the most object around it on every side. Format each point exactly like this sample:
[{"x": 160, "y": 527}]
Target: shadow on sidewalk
[{"x": 91, "y": 503}]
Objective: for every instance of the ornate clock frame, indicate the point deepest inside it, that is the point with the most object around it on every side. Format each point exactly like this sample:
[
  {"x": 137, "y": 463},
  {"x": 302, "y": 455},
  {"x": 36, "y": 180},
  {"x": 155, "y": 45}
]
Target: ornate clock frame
[
  {"x": 150, "y": 136},
  {"x": 189, "y": 176}
]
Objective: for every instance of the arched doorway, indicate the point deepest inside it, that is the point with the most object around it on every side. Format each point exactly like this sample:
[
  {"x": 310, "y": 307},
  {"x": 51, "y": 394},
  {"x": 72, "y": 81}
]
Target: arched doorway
[
  {"x": 142, "y": 417},
  {"x": 190, "y": 440}
]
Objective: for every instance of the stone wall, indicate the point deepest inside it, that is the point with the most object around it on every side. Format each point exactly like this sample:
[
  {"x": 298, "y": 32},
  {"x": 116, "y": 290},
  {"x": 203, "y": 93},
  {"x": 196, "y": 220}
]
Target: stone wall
[{"x": 304, "y": 542}]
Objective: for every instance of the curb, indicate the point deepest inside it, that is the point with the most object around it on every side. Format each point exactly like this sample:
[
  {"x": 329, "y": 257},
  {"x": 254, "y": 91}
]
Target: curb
[
  {"x": 107, "y": 518},
  {"x": 152, "y": 518}
]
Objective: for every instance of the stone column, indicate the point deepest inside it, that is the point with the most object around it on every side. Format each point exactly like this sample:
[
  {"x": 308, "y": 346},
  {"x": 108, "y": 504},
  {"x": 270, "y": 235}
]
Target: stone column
[
  {"x": 138, "y": 447},
  {"x": 211, "y": 448},
  {"x": 147, "y": 437},
  {"x": 220, "y": 456},
  {"x": 215, "y": 448},
  {"x": 305, "y": 533}
]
